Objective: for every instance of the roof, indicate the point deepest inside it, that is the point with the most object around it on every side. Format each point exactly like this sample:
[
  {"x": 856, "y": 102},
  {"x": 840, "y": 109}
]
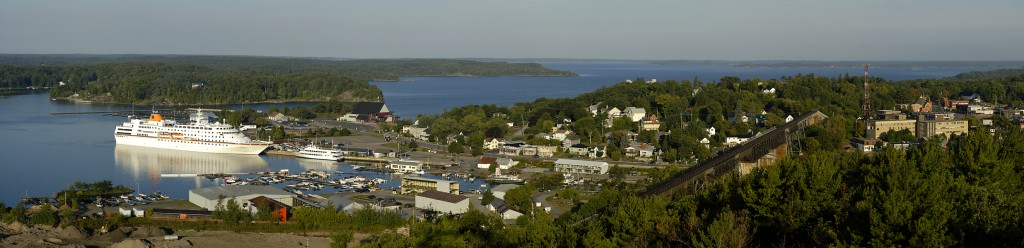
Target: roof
[
  {"x": 263, "y": 200},
  {"x": 238, "y": 190},
  {"x": 579, "y": 146},
  {"x": 488, "y": 160},
  {"x": 368, "y": 108},
  {"x": 353, "y": 149},
  {"x": 441, "y": 196},
  {"x": 580, "y": 162},
  {"x": 180, "y": 211},
  {"x": 504, "y": 187},
  {"x": 427, "y": 179},
  {"x": 507, "y": 161},
  {"x": 406, "y": 162}
]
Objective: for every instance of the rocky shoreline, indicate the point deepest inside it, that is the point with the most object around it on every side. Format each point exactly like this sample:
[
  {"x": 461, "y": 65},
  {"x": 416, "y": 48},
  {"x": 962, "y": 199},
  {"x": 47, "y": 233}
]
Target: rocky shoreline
[{"x": 23, "y": 235}]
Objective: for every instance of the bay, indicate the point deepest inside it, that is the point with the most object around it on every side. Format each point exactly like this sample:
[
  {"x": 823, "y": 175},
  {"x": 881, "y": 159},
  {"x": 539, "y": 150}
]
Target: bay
[
  {"x": 42, "y": 153},
  {"x": 414, "y": 96}
]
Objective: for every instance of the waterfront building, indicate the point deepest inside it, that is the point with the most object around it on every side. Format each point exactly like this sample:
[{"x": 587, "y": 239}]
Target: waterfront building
[
  {"x": 442, "y": 202},
  {"x": 412, "y": 185},
  {"x": 581, "y": 166},
  {"x": 207, "y": 197}
]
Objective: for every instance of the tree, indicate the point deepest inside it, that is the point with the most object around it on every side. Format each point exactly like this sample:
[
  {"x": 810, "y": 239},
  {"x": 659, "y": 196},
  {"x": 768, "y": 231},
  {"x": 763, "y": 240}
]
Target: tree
[
  {"x": 488, "y": 197},
  {"x": 45, "y": 216},
  {"x": 455, "y": 148}
]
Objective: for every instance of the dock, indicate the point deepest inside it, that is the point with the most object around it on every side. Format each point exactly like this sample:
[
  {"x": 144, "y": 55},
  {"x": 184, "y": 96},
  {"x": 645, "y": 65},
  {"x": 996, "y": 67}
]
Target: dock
[{"x": 354, "y": 159}]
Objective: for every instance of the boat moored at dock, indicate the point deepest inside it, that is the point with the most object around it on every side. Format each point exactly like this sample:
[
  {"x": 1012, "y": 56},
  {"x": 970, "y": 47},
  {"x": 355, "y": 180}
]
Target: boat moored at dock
[{"x": 200, "y": 135}]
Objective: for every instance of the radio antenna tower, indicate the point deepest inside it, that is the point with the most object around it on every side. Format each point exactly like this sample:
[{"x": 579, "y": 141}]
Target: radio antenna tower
[{"x": 867, "y": 96}]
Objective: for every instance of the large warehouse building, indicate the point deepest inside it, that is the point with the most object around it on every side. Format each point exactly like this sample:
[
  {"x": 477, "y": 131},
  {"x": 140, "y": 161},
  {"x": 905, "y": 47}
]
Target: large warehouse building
[
  {"x": 442, "y": 202},
  {"x": 207, "y": 197}
]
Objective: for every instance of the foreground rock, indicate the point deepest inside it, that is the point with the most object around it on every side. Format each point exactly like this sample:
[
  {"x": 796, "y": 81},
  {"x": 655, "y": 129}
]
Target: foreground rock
[{"x": 18, "y": 235}]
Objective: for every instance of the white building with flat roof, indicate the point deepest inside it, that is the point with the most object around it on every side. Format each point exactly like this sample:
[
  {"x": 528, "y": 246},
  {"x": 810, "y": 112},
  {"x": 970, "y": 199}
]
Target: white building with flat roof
[
  {"x": 421, "y": 184},
  {"x": 581, "y": 166}
]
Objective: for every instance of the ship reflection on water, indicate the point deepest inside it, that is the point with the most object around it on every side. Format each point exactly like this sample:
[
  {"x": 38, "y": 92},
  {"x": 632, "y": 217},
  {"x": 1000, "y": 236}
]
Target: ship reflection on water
[
  {"x": 142, "y": 163},
  {"x": 319, "y": 165}
]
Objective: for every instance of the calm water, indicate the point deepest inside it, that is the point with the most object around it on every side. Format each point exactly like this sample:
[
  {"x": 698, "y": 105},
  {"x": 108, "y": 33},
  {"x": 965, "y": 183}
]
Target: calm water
[
  {"x": 413, "y": 96},
  {"x": 41, "y": 153}
]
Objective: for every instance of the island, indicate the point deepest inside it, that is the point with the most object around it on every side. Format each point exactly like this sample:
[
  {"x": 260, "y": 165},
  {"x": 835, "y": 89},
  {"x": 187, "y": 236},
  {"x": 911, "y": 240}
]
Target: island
[{"x": 195, "y": 79}]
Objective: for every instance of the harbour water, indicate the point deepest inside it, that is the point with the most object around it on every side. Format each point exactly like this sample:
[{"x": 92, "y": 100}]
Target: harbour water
[
  {"x": 413, "y": 96},
  {"x": 42, "y": 153}
]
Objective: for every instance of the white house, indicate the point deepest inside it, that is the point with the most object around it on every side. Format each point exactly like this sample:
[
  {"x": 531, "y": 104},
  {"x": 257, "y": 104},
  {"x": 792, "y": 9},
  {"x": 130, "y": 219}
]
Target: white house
[
  {"x": 711, "y": 131},
  {"x": 614, "y": 113},
  {"x": 705, "y": 142},
  {"x": 634, "y": 114},
  {"x": 503, "y": 163},
  {"x": 789, "y": 118},
  {"x": 492, "y": 143},
  {"x": 735, "y": 140},
  {"x": 418, "y": 132},
  {"x": 279, "y": 117},
  {"x": 559, "y": 135},
  {"x": 499, "y": 207}
]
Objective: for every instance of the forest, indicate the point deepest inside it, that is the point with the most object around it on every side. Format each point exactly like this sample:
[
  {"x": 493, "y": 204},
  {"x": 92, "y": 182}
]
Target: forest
[
  {"x": 186, "y": 80},
  {"x": 966, "y": 190},
  {"x": 686, "y": 109}
]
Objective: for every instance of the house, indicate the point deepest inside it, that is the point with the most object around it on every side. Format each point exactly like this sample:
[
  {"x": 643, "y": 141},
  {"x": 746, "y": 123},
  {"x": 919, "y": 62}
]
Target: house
[
  {"x": 570, "y": 142},
  {"x": 350, "y": 117},
  {"x": 412, "y": 185},
  {"x": 596, "y": 152},
  {"x": 581, "y": 166},
  {"x": 492, "y": 143},
  {"x": 634, "y": 114},
  {"x": 486, "y": 162},
  {"x": 711, "y": 131},
  {"x": 926, "y": 128},
  {"x": 421, "y": 133},
  {"x": 372, "y": 112},
  {"x": 789, "y": 118},
  {"x": 731, "y": 141},
  {"x": 208, "y": 197},
  {"x": 341, "y": 203},
  {"x": 594, "y": 109},
  {"x": 636, "y": 149},
  {"x": 768, "y": 91},
  {"x": 503, "y": 163},
  {"x": 546, "y": 151},
  {"x": 279, "y": 117},
  {"x": 866, "y": 145},
  {"x": 502, "y": 189},
  {"x": 613, "y": 113},
  {"x": 442, "y": 202},
  {"x": 506, "y": 213},
  {"x": 579, "y": 150},
  {"x": 705, "y": 142},
  {"x": 559, "y": 135},
  {"x": 650, "y": 123}
]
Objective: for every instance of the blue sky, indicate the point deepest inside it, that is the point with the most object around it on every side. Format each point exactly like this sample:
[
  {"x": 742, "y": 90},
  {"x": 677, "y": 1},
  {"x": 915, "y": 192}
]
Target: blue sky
[{"x": 643, "y": 29}]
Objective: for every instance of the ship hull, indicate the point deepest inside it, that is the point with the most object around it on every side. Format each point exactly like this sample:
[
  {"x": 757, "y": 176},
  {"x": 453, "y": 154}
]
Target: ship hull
[{"x": 191, "y": 145}]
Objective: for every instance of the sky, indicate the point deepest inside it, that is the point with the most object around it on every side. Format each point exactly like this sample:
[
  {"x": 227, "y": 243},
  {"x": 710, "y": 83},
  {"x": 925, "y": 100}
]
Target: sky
[{"x": 585, "y": 29}]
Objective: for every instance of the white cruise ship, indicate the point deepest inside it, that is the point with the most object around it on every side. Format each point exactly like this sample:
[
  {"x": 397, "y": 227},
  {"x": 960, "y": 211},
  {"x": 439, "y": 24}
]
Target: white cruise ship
[
  {"x": 316, "y": 152},
  {"x": 201, "y": 135}
]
